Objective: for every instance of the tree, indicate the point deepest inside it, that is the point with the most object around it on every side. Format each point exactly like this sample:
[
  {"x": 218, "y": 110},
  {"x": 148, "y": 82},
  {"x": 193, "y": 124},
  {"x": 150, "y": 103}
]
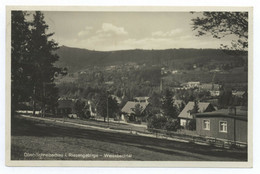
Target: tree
[
  {"x": 138, "y": 111},
  {"x": 157, "y": 122},
  {"x": 154, "y": 100},
  {"x": 225, "y": 98},
  {"x": 181, "y": 107},
  {"x": 113, "y": 108},
  {"x": 106, "y": 105},
  {"x": 80, "y": 108},
  {"x": 42, "y": 66},
  {"x": 169, "y": 109},
  {"x": 221, "y": 24},
  {"x": 19, "y": 59},
  {"x": 195, "y": 107},
  {"x": 172, "y": 125}
]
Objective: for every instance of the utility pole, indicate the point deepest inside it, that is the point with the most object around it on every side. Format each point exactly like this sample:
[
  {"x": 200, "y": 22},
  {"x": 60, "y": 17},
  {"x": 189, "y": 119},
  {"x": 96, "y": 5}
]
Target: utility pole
[
  {"x": 33, "y": 98},
  {"x": 107, "y": 112}
]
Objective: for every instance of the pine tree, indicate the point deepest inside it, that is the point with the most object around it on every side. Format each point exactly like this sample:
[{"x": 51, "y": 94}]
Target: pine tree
[
  {"x": 43, "y": 59},
  {"x": 168, "y": 107},
  {"x": 138, "y": 111},
  {"x": 19, "y": 59},
  {"x": 106, "y": 105},
  {"x": 195, "y": 107}
]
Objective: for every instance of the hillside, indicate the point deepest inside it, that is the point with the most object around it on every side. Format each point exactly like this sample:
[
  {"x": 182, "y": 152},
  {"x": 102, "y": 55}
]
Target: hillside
[{"x": 76, "y": 59}]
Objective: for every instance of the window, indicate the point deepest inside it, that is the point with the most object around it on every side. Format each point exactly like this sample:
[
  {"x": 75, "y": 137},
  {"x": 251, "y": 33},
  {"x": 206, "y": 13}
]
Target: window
[
  {"x": 206, "y": 124},
  {"x": 222, "y": 126}
]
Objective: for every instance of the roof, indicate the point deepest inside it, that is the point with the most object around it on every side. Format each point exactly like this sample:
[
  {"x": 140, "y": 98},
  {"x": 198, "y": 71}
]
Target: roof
[
  {"x": 241, "y": 113},
  {"x": 141, "y": 98},
  {"x": 193, "y": 82},
  {"x": 130, "y": 105},
  {"x": 185, "y": 113},
  {"x": 238, "y": 93},
  {"x": 210, "y": 86}
]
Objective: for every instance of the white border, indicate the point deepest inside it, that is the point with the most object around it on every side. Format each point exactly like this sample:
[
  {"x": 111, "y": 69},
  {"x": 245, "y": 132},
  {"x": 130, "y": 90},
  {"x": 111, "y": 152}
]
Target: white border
[
  {"x": 256, "y": 98},
  {"x": 119, "y": 163}
]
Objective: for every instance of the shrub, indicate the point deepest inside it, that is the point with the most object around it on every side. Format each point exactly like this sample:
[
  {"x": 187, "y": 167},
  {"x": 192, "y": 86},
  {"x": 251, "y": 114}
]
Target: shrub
[
  {"x": 172, "y": 125},
  {"x": 157, "y": 122}
]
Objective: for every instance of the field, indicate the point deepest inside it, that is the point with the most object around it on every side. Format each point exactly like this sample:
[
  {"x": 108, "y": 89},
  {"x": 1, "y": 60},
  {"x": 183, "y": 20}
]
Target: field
[{"x": 35, "y": 140}]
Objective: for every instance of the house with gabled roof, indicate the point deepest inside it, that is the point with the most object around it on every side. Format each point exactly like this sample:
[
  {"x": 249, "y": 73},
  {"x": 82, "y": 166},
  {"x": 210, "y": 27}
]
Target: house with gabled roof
[
  {"x": 128, "y": 109},
  {"x": 187, "y": 113}
]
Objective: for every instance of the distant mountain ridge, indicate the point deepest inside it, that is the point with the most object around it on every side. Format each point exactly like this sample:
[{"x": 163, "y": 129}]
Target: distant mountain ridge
[{"x": 76, "y": 59}]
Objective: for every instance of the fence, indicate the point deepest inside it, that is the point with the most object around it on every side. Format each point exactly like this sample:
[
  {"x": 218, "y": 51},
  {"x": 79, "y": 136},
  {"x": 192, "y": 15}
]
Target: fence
[{"x": 211, "y": 141}]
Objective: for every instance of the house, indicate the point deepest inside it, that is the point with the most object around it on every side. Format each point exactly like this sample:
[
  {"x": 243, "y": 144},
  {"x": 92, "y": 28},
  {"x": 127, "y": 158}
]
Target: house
[
  {"x": 193, "y": 84},
  {"x": 186, "y": 114},
  {"x": 174, "y": 71},
  {"x": 214, "y": 93},
  {"x": 238, "y": 94},
  {"x": 109, "y": 83},
  {"x": 66, "y": 106},
  {"x": 92, "y": 109},
  {"x": 226, "y": 124},
  {"x": 209, "y": 86},
  {"x": 128, "y": 109},
  {"x": 141, "y": 99},
  {"x": 214, "y": 89}
]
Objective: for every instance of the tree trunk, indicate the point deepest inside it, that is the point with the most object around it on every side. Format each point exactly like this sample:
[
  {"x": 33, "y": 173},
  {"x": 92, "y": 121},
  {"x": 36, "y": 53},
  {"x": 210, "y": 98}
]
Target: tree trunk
[
  {"x": 43, "y": 98},
  {"x": 34, "y": 105}
]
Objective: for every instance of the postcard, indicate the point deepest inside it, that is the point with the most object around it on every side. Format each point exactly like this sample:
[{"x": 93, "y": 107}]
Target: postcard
[{"x": 129, "y": 86}]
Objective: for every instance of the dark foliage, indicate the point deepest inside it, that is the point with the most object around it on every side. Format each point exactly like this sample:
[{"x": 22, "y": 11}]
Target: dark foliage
[
  {"x": 80, "y": 109},
  {"x": 157, "y": 122},
  {"x": 33, "y": 58},
  {"x": 20, "y": 77},
  {"x": 221, "y": 24},
  {"x": 169, "y": 109},
  {"x": 106, "y": 105},
  {"x": 76, "y": 59}
]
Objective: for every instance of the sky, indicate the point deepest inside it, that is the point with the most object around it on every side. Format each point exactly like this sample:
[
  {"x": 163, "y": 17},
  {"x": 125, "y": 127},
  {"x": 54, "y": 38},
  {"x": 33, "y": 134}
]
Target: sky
[{"x": 105, "y": 31}]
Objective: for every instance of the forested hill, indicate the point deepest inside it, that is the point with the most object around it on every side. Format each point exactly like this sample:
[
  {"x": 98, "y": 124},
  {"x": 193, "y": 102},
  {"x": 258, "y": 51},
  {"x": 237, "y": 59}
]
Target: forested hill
[{"x": 75, "y": 59}]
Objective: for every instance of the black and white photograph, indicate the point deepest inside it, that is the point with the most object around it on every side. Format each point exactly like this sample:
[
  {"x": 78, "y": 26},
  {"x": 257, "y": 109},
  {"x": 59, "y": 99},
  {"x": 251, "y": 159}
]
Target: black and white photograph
[{"x": 123, "y": 86}]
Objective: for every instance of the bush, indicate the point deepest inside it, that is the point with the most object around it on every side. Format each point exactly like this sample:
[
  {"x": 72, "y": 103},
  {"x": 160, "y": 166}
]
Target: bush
[
  {"x": 157, "y": 122},
  {"x": 161, "y": 122},
  {"x": 172, "y": 125}
]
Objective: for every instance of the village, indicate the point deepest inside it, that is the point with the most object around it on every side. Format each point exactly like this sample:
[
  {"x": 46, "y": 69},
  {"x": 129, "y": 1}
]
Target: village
[{"x": 224, "y": 127}]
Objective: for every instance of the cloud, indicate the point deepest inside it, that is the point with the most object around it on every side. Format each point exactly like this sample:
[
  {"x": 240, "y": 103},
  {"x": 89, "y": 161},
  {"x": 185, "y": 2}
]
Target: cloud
[
  {"x": 85, "y": 32},
  {"x": 110, "y": 28},
  {"x": 111, "y": 43},
  {"x": 110, "y": 37},
  {"x": 173, "y": 33}
]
